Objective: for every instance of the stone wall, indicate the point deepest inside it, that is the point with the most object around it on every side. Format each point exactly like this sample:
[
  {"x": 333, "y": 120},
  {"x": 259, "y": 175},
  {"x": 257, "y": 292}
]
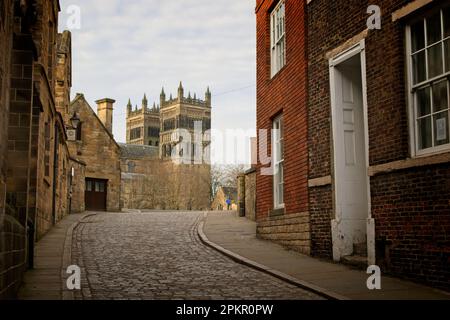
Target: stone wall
[
  {"x": 11, "y": 232},
  {"x": 154, "y": 184},
  {"x": 77, "y": 201},
  {"x": 250, "y": 195}
]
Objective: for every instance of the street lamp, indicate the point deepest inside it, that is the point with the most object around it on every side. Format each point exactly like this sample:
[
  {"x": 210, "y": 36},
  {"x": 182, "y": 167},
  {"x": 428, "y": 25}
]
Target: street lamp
[{"x": 75, "y": 121}]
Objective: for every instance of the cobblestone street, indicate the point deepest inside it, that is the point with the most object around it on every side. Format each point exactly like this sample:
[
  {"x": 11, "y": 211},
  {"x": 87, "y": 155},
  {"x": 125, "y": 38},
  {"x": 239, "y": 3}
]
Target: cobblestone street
[{"x": 158, "y": 255}]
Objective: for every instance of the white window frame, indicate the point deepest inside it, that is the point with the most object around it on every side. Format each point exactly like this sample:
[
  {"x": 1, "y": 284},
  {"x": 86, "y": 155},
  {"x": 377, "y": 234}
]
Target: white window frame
[
  {"x": 413, "y": 88},
  {"x": 278, "y": 38},
  {"x": 277, "y": 142}
]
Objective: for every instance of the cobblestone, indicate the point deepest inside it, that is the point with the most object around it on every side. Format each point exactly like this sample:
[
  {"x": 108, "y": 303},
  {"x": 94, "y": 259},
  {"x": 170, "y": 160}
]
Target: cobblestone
[{"x": 158, "y": 255}]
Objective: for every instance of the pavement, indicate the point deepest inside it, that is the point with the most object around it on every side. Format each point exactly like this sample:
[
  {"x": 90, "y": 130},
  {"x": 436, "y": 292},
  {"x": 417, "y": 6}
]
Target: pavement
[
  {"x": 145, "y": 256},
  {"x": 45, "y": 281},
  {"x": 236, "y": 238}
]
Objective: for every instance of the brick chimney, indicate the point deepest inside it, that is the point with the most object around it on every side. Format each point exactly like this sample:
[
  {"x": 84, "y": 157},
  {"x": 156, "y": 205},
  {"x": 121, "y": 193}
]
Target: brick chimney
[{"x": 105, "y": 112}]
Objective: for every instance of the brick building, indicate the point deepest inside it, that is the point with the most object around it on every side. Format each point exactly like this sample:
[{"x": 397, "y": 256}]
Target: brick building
[
  {"x": 366, "y": 148},
  {"x": 379, "y": 135},
  {"x": 34, "y": 157},
  {"x": 282, "y": 190}
]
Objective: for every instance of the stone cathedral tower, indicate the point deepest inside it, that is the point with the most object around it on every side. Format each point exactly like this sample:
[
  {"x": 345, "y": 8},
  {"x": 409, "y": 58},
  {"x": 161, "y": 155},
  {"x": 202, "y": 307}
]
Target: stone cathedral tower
[
  {"x": 183, "y": 113},
  {"x": 154, "y": 126},
  {"x": 143, "y": 124}
]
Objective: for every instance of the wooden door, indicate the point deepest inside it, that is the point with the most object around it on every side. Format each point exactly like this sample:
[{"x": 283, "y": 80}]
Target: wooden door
[{"x": 95, "y": 195}]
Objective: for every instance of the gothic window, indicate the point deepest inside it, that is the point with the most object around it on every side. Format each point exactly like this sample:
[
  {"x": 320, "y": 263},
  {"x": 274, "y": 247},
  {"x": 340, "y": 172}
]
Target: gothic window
[
  {"x": 135, "y": 133},
  {"x": 153, "y": 132},
  {"x": 169, "y": 124}
]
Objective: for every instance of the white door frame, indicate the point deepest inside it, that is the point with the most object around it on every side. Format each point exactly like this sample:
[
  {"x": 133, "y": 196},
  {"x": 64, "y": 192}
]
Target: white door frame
[{"x": 358, "y": 49}]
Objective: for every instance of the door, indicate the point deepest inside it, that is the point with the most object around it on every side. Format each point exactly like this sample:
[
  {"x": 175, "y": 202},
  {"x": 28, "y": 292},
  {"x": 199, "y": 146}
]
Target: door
[
  {"x": 351, "y": 178},
  {"x": 95, "y": 195}
]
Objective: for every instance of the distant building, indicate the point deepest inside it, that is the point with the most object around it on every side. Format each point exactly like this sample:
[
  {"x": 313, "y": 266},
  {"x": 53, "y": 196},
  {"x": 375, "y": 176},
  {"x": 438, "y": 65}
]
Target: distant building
[
  {"x": 151, "y": 176},
  {"x": 225, "y": 199}
]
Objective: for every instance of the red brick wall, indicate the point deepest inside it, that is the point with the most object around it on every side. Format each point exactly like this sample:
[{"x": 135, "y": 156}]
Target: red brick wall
[
  {"x": 410, "y": 207},
  {"x": 412, "y": 217},
  {"x": 286, "y": 93}
]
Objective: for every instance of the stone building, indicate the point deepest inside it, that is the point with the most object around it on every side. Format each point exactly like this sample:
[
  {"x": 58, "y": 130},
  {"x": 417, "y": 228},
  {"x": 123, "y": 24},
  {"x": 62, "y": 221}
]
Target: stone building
[
  {"x": 379, "y": 143},
  {"x": 34, "y": 156},
  {"x": 94, "y": 145},
  {"x": 160, "y": 170}
]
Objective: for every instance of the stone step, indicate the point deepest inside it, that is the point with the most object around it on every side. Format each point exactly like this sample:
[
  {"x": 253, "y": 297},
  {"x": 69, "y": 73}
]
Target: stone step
[{"x": 355, "y": 261}]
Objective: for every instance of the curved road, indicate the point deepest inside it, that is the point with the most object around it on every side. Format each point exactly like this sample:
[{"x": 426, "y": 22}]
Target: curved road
[{"x": 158, "y": 255}]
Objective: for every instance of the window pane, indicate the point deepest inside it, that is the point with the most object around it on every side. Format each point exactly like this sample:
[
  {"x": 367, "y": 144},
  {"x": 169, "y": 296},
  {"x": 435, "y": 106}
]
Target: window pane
[
  {"x": 424, "y": 134},
  {"x": 423, "y": 102},
  {"x": 441, "y": 133},
  {"x": 418, "y": 36},
  {"x": 447, "y": 22},
  {"x": 440, "y": 100},
  {"x": 419, "y": 71},
  {"x": 447, "y": 55},
  {"x": 435, "y": 61},
  {"x": 88, "y": 186},
  {"x": 434, "y": 29},
  {"x": 281, "y": 184}
]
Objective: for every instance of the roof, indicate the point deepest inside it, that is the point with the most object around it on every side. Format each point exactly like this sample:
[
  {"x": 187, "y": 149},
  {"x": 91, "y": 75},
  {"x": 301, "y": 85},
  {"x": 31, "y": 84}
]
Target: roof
[
  {"x": 80, "y": 98},
  {"x": 230, "y": 192},
  {"x": 134, "y": 151}
]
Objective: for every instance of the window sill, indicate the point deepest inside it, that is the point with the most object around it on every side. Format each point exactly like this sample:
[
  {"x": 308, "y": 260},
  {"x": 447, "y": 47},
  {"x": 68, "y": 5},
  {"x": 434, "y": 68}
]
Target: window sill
[
  {"x": 277, "y": 212},
  {"x": 419, "y": 161}
]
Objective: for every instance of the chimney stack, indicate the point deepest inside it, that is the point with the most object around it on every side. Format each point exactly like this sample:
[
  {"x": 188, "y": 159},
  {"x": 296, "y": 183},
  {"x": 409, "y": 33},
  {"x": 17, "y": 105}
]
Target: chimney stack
[{"x": 105, "y": 112}]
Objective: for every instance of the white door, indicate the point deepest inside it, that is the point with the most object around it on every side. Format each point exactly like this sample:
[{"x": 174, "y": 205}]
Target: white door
[{"x": 351, "y": 180}]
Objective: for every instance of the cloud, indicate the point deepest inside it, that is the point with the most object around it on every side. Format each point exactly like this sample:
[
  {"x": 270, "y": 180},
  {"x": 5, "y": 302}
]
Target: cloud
[{"x": 126, "y": 48}]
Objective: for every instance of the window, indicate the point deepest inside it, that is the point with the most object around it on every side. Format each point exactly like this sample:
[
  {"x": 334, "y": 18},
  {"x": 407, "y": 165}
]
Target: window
[
  {"x": 278, "y": 38},
  {"x": 153, "y": 132},
  {"x": 429, "y": 62},
  {"x": 47, "y": 140},
  {"x": 278, "y": 156},
  {"x": 131, "y": 167},
  {"x": 135, "y": 134},
  {"x": 79, "y": 131}
]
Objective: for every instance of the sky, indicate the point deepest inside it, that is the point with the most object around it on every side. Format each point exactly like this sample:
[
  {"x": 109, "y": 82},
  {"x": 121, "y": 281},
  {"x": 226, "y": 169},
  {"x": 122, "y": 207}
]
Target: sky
[{"x": 123, "y": 49}]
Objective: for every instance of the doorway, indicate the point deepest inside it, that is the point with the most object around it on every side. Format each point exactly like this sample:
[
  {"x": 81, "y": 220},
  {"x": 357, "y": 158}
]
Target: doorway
[
  {"x": 352, "y": 222},
  {"x": 95, "y": 194}
]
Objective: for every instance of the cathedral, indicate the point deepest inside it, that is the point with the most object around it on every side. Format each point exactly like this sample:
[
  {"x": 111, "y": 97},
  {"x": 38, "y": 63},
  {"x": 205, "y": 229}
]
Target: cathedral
[
  {"x": 151, "y": 176},
  {"x": 154, "y": 126}
]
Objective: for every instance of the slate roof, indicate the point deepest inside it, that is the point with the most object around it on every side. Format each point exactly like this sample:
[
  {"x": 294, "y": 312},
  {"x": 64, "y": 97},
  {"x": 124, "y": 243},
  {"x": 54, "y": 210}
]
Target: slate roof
[{"x": 133, "y": 151}]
